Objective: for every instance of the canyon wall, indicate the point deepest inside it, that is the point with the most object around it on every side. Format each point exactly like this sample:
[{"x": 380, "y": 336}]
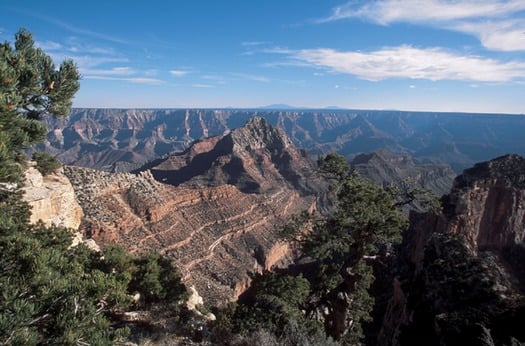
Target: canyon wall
[
  {"x": 214, "y": 209},
  {"x": 51, "y": 198},
  {"x": 460, "y": 276},
  {"x": 124, "y": 139},
  {"x": 217, "y": 236}
]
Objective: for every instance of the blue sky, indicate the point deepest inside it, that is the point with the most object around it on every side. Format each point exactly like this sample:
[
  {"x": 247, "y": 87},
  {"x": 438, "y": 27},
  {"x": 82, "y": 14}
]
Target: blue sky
[{"x": 428, "y": 55}]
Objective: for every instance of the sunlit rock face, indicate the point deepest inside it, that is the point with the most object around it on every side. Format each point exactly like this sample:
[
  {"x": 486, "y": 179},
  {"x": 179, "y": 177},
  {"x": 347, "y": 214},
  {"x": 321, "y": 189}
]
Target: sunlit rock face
[
  {"x": 217, "y": 232},
  {"x": 52, "y": 199},
  {"x": 257, "y": 158}
]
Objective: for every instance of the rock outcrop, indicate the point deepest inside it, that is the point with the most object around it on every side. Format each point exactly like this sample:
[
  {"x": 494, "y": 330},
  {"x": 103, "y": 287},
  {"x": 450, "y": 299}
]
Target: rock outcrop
[
  {"x": 487, "y": 204},
  {"x": 460, "y": 277},
  {"x": 217, "y": 235},
  {"x": 256, "y": 158},
  {"x": 52, "y": 199}
]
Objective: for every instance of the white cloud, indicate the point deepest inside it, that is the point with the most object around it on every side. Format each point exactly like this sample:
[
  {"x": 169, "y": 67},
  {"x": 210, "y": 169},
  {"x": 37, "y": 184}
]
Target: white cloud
[
  {"x": 138, "y": 80},
  {"x": 78, "y": 30},
  {"x": 197, "y": 85},
  {"x": 115, "y": 71},
  {"x": 409, "y": 62},
  {"x": 151, "y": 72},
  {"x": 497, "y": 23},
  {"x": 254, "y": 43},
  {"x": 48, "y": 45},
  {"x": 179, "y": 73},
  {"x": 503, "y": 35},
  {"x": 86, "y": 62},
  {"x": 389, "y": 11},
  {"x": 256, "y": 78}
]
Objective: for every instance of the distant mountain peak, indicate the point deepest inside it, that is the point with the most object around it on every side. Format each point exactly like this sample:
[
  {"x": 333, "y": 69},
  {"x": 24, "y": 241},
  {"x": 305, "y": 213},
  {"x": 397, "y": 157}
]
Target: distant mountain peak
[{"x": 278, "y": 106}]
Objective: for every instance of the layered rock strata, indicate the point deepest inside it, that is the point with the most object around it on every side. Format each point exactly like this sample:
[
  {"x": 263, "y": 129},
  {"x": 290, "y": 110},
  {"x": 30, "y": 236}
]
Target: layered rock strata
[
  {"x": 124, "y": 139},
  {"x": 257, "y": 158},
  {"x": 386, "y": 168},
  {"x": 217, "y": 236}
]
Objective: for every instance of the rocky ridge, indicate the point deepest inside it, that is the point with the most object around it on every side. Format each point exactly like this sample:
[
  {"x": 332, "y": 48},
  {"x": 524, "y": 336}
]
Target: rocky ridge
[
  {"x": 217, "y": 236},
  {"x": 386, "y": 168},
  {"x": 487, "y": 204},
  {"x": 256, "y": 158},
  {"x": 460, "y": 277}
]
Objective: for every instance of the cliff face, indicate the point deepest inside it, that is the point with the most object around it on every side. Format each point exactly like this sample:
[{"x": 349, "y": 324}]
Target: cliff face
[
  {"x": 385, "y": 168},
  {"x": 460, "y": 275},
  {"x": 486, "y": 204},
  {"x": 52, "y": 199},
  {"x": 256, "y": 158},
  {"x": 217, "y": 235}
]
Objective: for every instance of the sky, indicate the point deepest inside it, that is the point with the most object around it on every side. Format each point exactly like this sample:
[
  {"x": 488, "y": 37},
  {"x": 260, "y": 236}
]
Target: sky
[{"x": 414, "y": 55}]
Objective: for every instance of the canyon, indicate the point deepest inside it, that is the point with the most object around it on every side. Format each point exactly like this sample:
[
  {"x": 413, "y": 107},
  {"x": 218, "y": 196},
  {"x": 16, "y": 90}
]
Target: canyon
[
  {"x": 214, "y": 206},
  {"x": 218, "y": 232},
  {"x": 125, "y": 139}
]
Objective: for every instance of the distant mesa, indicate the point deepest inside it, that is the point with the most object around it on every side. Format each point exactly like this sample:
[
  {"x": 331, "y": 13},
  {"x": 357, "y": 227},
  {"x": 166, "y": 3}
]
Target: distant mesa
[
  {"x": 125, "y": 139},
  {"x": 278, "y": 106}
]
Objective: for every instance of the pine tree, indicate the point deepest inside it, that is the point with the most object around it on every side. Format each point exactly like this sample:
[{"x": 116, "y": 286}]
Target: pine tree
[
  {"x": 364, "y": 227},
  {"x": 50, "y": 293},
  {"x": 46, "y": 294},
  {"x": 31, "y": 87}
]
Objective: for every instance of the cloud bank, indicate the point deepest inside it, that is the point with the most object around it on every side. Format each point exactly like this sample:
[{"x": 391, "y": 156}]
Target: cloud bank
[
  {"x": 498, "y": 24},
  {"x": 408, "y": 62}
]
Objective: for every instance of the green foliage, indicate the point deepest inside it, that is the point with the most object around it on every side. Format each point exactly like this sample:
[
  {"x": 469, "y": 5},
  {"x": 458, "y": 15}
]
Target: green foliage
[
  {"x": 30, "y": 82},
  {"x": 45, "y": 163},
  {"x": 157, "y": 280},
  {"x": 30, "y": 88},
  {"x": 276, "y": 299},
  {"x": 363, "y": 229},
  {"x": 272, "y": 312},
  {"x": 50, "y": 293},
  {"x": 334, "y": 166}
]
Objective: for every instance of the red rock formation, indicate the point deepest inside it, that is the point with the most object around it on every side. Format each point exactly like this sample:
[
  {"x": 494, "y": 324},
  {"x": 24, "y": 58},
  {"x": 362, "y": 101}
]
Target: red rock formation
[
  {"x": 217, "y": 233},
  {"x": 213, "y": 234},
  {"x": 256, "y": 158},
  {"x": 487, "y": 204}
]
